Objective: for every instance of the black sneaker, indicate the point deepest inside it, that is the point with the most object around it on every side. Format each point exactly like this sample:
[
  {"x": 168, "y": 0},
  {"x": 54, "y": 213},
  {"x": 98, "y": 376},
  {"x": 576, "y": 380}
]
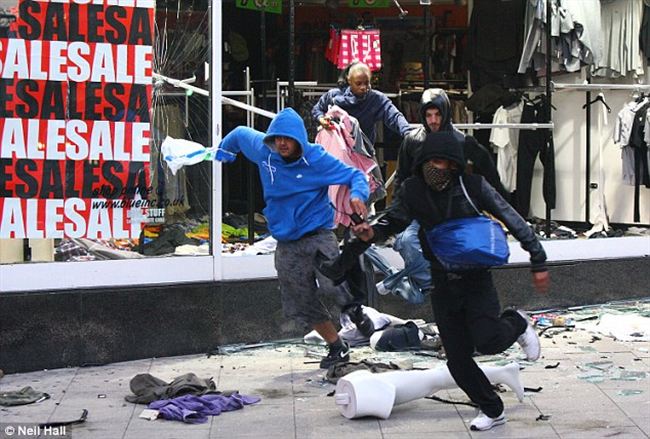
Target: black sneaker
[
  {"x": 336, "y": 355},
  {"x": 362, "y": 321}
]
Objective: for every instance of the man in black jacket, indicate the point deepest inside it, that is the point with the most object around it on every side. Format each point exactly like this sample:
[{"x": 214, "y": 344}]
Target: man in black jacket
[
  {"x": 465, "y": 303},
  {"x": 435, "y": 114}
]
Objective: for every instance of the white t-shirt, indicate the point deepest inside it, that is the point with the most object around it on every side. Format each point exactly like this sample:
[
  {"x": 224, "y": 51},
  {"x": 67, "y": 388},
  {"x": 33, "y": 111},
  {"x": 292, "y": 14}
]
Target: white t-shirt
[{"x": 505, "y": 142}]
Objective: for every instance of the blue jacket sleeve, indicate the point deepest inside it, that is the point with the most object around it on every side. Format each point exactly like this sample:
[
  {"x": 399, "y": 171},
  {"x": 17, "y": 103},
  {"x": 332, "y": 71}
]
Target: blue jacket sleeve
[
  {"x": 393, "y": 118},
  {"x": 337, "y": 172},
  {"x": 246, "y": 140},
  {"x": 321, "y": 106}
]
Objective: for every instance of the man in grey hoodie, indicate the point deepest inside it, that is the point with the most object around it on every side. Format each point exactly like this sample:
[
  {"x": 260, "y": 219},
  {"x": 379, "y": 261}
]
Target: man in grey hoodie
[{"x": 435, "y": 114}]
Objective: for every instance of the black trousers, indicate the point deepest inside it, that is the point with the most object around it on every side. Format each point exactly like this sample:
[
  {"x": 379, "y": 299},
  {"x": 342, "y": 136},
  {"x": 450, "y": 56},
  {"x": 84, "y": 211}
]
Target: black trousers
[
  {"x": 466, "y": 309},
  {"x": 531, "y": 143}
]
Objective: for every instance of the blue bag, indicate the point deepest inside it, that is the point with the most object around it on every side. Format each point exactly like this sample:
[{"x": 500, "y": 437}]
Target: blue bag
[{"x": 469, "y": 243}]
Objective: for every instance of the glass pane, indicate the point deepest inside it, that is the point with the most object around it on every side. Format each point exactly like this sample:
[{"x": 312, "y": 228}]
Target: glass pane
[{"x": 82, "y": 123}]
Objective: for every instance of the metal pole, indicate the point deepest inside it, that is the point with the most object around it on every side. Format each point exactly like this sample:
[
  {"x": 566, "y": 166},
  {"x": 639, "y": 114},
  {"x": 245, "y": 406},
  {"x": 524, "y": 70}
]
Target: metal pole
[
  {"x": 427, "y": 44},
  {"x": 600, "y": 87},
  {"x": 292, "y": 53},
  {"x": 263, "y": 52},
  {"x": 250, "y": 171},
  {"x": 549, "y": 133},
  {"x": 588, "y": 151}
]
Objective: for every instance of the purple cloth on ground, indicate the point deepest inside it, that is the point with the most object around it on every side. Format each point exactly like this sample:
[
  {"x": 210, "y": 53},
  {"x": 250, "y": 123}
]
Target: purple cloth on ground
[{"x": 196, "y": 409}]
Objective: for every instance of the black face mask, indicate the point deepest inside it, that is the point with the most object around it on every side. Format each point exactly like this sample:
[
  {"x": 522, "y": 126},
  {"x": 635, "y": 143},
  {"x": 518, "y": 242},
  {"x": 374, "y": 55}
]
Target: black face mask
[{"x": 437, "y": 179}]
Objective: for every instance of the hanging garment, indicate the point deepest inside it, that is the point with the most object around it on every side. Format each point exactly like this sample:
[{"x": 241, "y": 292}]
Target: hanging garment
[
  {"x": 506, "y": 143},
  {"x": 532, "y": 143},
  {"x": 589, "y": 34},
  {"x": 494, "y": 41},
  {"x": 332, "y": 49},
  {"x": 601, "y": 218},
  {"x": 644, "y": 36},
  {"x": 360, "y": 45},
  {"x": 576, "y": 38},
  {"x": 621, "y": 28},
  {"x": 622, "y": 134},
  {"x": 625, "y": 120},
  {"x": 344, "y": 141},
  {"x": 640, "y": 148}
]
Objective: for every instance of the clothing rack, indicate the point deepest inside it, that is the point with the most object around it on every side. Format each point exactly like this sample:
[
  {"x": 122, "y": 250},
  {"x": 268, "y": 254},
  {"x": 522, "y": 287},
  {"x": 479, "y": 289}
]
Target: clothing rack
[
  {"x": 599, "y": 87},
  {"x": 588, "y": 88},
  {"x": 516, "y": 126},
  {"x": 489, "y": 126}
]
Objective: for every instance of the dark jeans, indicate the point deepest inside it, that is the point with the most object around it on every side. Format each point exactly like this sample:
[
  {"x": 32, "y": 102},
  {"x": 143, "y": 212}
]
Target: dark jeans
[
  {"x": 531, "y": 143},
  {"x": 466, "y": 309}
]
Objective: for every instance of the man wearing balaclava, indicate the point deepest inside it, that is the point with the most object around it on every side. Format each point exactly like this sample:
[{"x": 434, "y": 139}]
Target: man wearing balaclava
[
  {"x": 435, "y": 114},
  {"x": 465, "y": 302}
]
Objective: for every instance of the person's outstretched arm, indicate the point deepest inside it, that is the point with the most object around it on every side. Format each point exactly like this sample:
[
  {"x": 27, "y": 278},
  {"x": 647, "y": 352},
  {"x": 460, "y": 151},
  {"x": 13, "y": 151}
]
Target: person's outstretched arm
[
  {"x": 242, "y": 139},
  {"x": 495, "y": 204},
  {"x": 393, "y": 118}
]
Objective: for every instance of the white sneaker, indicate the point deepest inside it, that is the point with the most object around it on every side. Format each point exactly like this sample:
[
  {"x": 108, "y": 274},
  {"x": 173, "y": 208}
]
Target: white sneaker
[
  {"x": 529, "y": 340},
  {"x": 483, "y": 422}
]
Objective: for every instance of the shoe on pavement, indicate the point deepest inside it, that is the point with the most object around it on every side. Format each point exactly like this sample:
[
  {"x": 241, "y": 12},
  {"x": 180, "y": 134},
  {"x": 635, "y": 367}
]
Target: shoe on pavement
[
  {"x": 529, "y": 340},
  {"x": 483, "y": 422},
  {"x": 336, "y": 355}
]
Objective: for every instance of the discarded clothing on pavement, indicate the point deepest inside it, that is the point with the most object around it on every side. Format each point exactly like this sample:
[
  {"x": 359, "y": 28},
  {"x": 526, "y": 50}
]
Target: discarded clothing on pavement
[
  {"x": 351, "y": 334},
  {"x": 24, "y": 396},
  {"x": 147, "y": 388},
  {"x": 404, "y": 337},
  {"x": 194, "y": 409}
]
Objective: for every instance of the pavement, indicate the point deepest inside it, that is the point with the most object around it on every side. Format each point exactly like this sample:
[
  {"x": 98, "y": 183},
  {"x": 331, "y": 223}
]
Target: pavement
[{"x": 592, "y": 386}]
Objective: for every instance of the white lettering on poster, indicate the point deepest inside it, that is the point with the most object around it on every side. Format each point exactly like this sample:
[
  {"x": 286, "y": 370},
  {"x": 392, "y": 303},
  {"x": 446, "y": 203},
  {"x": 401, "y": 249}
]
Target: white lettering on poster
[
  {"x": 78, "y": 61},
  {"x": 149, "y": 4},
  {"x": 74, "y": 140},
  {"x": 72, "y": 217}
]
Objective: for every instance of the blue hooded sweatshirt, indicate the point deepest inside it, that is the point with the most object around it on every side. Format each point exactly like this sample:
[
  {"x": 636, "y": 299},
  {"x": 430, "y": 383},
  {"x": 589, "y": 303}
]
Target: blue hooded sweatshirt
[{"x": 295, "y": 193}]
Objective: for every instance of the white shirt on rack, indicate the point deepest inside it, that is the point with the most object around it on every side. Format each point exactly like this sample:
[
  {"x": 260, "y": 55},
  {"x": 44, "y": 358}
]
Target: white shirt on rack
[{"x": 505, "y": 142}]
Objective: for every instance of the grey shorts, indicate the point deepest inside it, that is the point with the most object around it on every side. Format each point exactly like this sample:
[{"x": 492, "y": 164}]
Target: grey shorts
[{"x": 301, "y": 285}]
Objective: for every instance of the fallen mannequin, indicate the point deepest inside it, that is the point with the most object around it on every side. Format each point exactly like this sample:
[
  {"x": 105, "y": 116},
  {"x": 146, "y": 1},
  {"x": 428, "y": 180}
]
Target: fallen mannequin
[{"x": 363, "y": 393}]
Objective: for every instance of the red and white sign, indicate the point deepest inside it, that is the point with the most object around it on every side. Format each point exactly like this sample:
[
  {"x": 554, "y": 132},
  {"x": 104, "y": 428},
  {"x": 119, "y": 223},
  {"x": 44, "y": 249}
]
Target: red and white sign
[
  {"x": 75, "y": 101},
  {"x": 360, "y": 45}
]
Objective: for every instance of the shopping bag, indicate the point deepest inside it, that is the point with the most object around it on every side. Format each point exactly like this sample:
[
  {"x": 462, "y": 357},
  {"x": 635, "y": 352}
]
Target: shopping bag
[{"x": 468, "y": 243}]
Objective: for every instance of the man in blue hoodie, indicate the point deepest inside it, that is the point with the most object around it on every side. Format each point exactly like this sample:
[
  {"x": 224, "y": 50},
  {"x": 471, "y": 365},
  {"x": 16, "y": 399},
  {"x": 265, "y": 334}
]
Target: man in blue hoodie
[{"x": 295, "y": 176}]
